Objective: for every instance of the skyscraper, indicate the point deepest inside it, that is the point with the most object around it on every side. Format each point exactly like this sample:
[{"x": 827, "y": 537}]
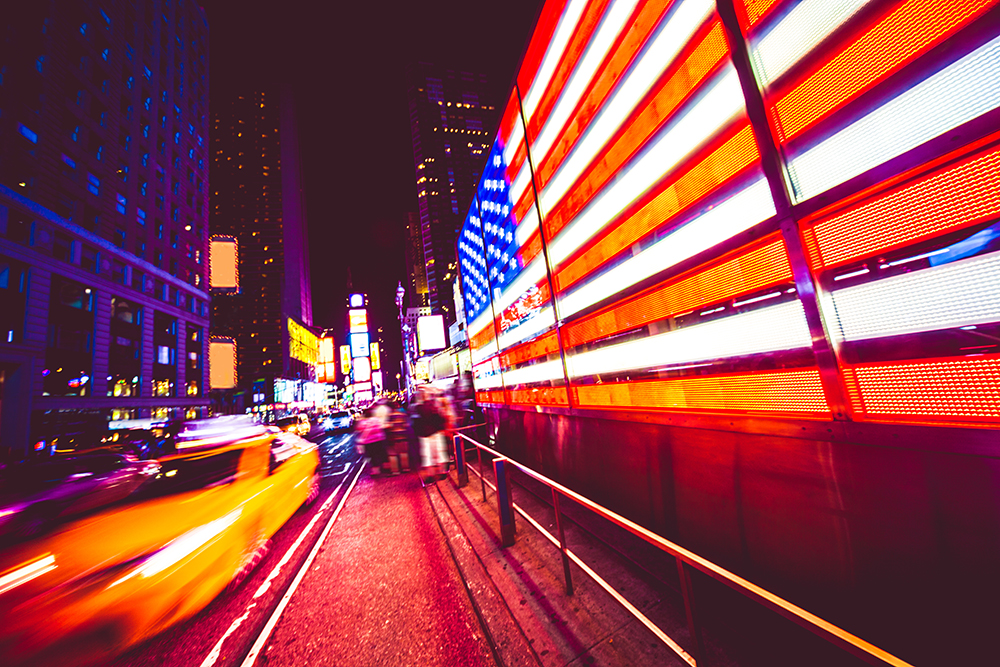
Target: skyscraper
[
  {"x": 257, "y": 199},
  {"x": 452, "y": 117},
  {"x": 416, "y": 268},
  {"x": 103, "y": 212}
]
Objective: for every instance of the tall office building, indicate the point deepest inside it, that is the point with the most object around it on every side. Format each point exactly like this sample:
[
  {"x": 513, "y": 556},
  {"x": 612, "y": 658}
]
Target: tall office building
[
  {"x": 257, "y": 199},
  {"x": 416, "y": 268},
  {"x": 452, "y": 118},
  {"x": 103, "y": 215}
]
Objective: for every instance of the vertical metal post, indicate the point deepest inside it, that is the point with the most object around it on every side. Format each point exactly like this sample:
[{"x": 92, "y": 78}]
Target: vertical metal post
[
  {"x": 463, "y": 472},
  {"x": 824, "y": 345},
  {"x": 505, "y": 503},
  {"x": 562, "y": 543},
  {"x": 482, "y": 471},
  {"x": 549, "y": 268},
  {"x": 687, "y": 590}
]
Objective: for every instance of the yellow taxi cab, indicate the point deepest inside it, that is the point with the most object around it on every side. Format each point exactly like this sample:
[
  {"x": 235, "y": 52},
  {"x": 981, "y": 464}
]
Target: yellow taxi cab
[
  {"x": 297, "y": 424},
  {"x": 95, "y": 585}
]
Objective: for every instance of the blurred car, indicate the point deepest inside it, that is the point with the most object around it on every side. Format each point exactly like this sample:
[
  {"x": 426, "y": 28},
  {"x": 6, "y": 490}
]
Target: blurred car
[
  {"x": 297, "y": 424},
  {"x": 98, "y": 584},
  {"x": 39, "y": 494},
  {"x": 338, "y": 421}
]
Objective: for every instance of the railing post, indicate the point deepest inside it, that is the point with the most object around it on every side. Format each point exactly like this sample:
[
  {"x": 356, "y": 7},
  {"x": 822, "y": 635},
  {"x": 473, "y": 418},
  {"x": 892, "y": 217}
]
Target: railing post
[
  {"x": 463, "y": 472},
  {"x": 482, "y": 471},
  {"x": 505, "y": 503},
  {"x": 562, "y": 543},
  {"x": 687, "y": 590}
]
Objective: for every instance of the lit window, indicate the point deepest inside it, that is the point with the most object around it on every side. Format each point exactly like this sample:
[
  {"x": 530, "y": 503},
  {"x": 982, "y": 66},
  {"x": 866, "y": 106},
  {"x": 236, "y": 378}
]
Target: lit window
[{"x": 28, "y": 134}]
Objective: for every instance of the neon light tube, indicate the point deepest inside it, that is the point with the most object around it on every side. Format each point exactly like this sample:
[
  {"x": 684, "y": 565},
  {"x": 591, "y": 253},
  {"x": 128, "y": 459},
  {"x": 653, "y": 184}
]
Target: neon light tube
[
  {"x": 543, "y": 319},
  {"x": 514, "y": 142},
  {"x": 543, "y": 372},
  {"x": 797, "y": 34},
  {"x": 485, "y": 352},
  {"x": 717, "y": 107},
  {"x": 771, "y": 329},
  {"x": 678, "y": 31},
  {"x": 600, "y": 44},
  {"x": 526, "y": 226},
  {"x": 553, "y": 54},
  {"x": 959, "y": 388},
  {"x": 520, "y": 184},
  {"x": 955, "y": 95},
  {"x": 740, "y": 212},
  {"x": 941, "y": 297}
]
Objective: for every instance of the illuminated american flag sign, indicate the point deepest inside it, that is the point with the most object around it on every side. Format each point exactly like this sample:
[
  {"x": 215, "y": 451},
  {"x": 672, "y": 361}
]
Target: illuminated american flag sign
[{"x": 652, "y": 271}]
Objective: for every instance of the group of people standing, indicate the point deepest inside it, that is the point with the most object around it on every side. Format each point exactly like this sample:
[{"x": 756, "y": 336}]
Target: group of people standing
[{"x": 416, "y": 435}]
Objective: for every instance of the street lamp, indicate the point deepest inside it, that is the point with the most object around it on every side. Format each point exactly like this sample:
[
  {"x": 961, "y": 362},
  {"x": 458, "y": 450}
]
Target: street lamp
[{"x": 404, "y": 330}]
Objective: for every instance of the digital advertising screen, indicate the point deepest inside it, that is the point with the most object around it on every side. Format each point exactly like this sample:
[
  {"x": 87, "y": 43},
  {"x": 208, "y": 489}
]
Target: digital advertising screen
[
  {"x": 430, "y": 333},
  {"x": 359, "y": 345}
]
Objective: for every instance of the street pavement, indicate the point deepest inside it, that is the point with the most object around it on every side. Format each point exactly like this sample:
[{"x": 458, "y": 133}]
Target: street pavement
[{"x": 383, "y": 590}]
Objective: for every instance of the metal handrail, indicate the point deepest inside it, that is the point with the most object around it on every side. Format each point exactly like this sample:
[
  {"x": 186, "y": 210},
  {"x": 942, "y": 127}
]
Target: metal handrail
[
  {"x": 685, "y": 559},
  {"x": 465, "y": 428}
]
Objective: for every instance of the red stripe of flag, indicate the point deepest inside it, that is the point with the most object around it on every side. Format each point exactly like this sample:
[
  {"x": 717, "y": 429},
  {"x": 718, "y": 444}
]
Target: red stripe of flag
[
  {"x": 889, "y": 44},
  {"x": 540, "y": 38},
  {"x": 589, "y": 21},
  {"x": 701, "y": 57},
  {"x": 624, "y": 51}
]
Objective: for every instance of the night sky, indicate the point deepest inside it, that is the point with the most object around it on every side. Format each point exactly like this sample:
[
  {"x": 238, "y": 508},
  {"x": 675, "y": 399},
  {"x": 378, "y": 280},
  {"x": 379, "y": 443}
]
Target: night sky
[{"x": 345, "y": 61}]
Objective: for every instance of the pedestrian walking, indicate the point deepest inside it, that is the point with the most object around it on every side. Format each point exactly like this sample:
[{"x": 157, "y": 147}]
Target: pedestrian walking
[
  {"x": 433, "y": 423},
  {"x": 371, "y": 436}
]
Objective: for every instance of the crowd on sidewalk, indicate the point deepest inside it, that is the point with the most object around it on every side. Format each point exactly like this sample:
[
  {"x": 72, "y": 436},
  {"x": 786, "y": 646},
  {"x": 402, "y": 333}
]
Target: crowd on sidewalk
[{"x": 415, "y": 436}]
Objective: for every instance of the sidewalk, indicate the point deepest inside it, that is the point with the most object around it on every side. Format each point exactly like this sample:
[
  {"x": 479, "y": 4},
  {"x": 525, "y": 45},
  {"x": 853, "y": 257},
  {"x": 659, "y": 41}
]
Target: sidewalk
[{"x": 383, "y": 590}]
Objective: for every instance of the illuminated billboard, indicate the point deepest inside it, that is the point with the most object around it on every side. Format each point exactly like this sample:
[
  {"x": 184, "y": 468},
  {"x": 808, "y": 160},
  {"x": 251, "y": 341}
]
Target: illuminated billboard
[
  {"x": 377, "y": 381},
  {"x": 358, "y": 320},
  {"x": 326, "y": 372},
  {"x": 357, "y": 301},
  {"x": 362, "y": 369},
  {"x": 376, "y": 357},
  {"x": 673, "y": 290},
  {"x": 222, "y": 363},
  {"x": 302, "y": 343},
  {"x": 430, "y": 333},
  {"x": 359, "y": 345},
  {"x": 326, "y": 347},
  {"x": 345, "y": 359},
  {"x": 223, "y": 264}
]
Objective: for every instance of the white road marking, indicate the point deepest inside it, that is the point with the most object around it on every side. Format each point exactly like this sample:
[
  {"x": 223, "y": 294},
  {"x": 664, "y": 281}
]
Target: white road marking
[
  {"x": 217, "y": 651},
  {"x": 214, "y": 654},
  {"x": 279, "y": 610}
]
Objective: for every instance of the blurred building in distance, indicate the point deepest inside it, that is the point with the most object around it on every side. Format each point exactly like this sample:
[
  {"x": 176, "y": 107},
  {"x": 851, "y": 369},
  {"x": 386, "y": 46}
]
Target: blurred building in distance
[
  {"x": 452, "y": 118},
  {"x": 416, "y": 266},
  {"x": 257, "y": 200},
  {"x": 103, "y": 216}
]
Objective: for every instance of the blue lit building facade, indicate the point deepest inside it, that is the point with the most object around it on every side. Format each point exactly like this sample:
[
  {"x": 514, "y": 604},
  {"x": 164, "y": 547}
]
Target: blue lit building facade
[{"x": 103, "y": 216}]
